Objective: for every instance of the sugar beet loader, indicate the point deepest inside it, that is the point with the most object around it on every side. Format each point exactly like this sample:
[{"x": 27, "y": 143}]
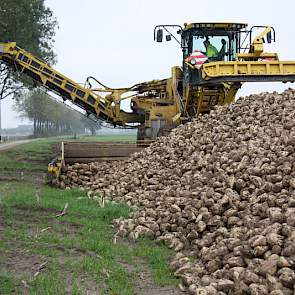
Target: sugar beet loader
[{"x": 217, "y": 59}]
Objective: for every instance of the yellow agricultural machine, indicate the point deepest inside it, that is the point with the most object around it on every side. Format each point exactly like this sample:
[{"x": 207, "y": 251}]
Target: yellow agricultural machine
[
  {"x": 159, "y": 105},
  {"x": 217, "y": 59}
]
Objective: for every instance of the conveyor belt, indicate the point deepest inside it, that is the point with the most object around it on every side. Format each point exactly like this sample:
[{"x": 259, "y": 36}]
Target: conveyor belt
[{"x": 24, "y": 62}]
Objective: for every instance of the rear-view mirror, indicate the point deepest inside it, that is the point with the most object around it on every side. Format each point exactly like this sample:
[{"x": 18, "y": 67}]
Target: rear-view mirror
[{"x": 268, "y": 37}]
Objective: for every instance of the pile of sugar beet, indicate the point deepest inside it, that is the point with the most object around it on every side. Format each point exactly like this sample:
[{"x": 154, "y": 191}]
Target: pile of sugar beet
[{"x": 220, "y": 191}]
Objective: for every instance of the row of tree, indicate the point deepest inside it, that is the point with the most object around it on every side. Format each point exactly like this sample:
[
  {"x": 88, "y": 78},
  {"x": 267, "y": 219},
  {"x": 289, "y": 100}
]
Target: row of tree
[
  {"x": 32, "y": 25},
  {"x": 50, "y": 117}
]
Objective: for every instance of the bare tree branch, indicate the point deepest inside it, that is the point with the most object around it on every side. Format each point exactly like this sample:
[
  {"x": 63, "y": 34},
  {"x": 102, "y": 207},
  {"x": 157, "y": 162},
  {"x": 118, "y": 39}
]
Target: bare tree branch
[
  {"x": 12, "y": 92},
  {"x": 5, "y": 80}
]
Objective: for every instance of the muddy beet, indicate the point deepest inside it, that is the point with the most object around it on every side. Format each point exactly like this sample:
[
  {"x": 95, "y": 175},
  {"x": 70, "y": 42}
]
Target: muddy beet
[{"x": 220, "y": 189}]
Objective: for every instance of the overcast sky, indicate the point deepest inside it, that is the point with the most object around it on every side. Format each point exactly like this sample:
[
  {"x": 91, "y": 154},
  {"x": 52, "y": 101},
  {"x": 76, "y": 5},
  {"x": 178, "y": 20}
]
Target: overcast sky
[{"x": 113, "y": 40}]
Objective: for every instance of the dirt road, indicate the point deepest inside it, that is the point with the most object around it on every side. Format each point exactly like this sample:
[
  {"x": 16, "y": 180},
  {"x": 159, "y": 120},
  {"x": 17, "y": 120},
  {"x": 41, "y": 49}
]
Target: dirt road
[{"x": 9, "y": 145}]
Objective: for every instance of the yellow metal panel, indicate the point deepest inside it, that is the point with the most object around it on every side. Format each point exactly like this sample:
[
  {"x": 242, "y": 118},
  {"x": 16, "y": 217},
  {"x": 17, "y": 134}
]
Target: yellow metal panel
[
  {"x": 263, "y": 55},
  {"x": 248, "y": 68},
  {"x": 7, "y": 48},
  {"x": 163, "y": 112},
  {"x": 217, "y": 25}
]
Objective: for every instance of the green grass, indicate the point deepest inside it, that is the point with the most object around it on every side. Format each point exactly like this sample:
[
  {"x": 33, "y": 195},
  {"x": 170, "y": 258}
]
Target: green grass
[
  {"x": 78, "y": 246},
  {"x": 30, "y": 156},
  {"x": 7, "y": 285},
  {"x": 34, "y": 156},
  {"x": 84, "y": 232},
  {"x": 157, "y": 257}
]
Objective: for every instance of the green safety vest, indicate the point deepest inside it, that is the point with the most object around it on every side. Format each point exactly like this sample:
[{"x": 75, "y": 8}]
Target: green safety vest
[{"x": 211, "y": 51}]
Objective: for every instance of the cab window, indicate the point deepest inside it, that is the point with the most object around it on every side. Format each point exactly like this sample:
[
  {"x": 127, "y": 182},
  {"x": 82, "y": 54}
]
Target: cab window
[{"x": 220, "y": 43}]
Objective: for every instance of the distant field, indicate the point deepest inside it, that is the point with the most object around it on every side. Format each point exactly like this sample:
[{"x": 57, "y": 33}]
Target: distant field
[
  {"x": 73, "y": 254},
  {"x": 111, "y": 137}
]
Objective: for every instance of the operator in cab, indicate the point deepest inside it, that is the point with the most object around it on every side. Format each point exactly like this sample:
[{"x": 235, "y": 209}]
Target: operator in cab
[{"x": 211, "y": 50}]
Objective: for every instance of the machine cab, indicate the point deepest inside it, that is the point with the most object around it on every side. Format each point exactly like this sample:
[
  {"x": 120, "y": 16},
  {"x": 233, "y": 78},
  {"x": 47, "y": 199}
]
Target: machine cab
[
  {"x": 217, "y": 41},
  {"x": 210, "y": 41}
]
